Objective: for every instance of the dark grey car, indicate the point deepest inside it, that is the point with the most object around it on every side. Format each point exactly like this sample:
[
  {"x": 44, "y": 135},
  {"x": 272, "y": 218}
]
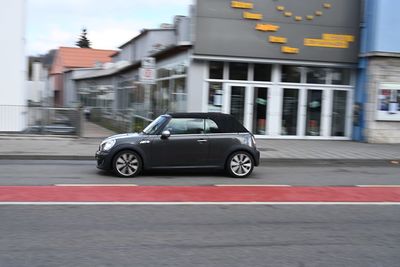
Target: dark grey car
[{"x": 182, "y": 140}]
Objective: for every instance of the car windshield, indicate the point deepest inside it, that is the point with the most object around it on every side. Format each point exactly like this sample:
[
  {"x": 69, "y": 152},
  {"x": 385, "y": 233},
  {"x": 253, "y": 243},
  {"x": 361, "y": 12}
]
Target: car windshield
[{"x": 153, "y": 127}]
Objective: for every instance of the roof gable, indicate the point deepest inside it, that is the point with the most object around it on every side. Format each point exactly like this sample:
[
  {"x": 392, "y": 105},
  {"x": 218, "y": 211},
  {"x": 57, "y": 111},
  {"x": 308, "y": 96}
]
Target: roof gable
[{"x": 73, "y": 57}]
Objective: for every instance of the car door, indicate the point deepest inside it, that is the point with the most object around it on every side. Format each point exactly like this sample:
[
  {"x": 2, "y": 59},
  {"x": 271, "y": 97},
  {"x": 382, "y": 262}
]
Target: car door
[{"x": 187, "y": 146}]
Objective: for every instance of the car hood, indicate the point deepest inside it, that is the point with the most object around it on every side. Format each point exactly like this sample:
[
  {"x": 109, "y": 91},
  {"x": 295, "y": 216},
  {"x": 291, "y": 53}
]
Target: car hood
[{"x": 125, "y": 136}]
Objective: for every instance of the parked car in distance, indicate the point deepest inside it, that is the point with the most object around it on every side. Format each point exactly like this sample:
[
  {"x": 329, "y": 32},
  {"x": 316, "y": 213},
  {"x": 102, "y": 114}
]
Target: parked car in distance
[{"x": 182, "y": 140}]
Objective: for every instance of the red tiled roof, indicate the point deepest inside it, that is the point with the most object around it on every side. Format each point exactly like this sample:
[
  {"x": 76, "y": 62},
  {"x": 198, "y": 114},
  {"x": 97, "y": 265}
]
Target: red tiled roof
[{"x": 75, "y": 57}]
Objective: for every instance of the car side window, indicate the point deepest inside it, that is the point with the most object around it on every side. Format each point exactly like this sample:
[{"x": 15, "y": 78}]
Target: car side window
[
  {"x": 185, "y": 126},
  {"x": 212, "y": 127}
]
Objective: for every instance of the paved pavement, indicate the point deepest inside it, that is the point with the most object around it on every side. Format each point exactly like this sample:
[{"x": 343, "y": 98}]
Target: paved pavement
[{"x": 277, "y": 151}]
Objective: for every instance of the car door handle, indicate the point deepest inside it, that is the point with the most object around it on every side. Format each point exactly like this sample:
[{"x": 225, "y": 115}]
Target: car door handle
[
  {"x": 202, "y": 141},
  {"x": 145, "y": 142}
]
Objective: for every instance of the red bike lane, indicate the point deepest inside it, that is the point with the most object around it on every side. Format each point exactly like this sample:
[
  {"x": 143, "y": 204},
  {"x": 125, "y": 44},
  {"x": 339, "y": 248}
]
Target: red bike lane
[{"x": 197, "y": 194}]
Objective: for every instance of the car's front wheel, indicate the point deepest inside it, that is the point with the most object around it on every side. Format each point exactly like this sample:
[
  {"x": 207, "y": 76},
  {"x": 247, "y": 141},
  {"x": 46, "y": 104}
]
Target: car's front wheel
[
  {"x": 240, "y": 164},
  {"x": 127, "y": 164}
]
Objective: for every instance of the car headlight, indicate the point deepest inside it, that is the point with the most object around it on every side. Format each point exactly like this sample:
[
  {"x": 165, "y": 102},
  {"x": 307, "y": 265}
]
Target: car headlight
[
  {"x": 251, "y": 142},
  {"x": 107, "y": 144}
]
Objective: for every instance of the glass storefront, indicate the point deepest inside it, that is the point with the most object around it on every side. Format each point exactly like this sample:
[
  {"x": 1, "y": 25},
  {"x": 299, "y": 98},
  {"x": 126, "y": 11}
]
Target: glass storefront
[{"x": 302, "y": 101}]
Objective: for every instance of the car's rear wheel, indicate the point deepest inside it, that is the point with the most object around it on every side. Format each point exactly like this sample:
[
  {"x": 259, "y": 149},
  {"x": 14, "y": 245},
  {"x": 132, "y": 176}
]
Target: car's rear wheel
[
  {"x": 127, "y": 164},
  {"x": 240, "y": 164}
]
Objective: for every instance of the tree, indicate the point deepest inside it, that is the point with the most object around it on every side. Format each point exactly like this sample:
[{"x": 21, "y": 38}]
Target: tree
[{"x": 83, "y": 41}]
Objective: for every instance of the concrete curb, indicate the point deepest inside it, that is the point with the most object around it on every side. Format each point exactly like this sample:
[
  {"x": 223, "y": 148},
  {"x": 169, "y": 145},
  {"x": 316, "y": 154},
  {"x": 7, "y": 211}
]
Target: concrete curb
[{"x": 286, "y": 162}]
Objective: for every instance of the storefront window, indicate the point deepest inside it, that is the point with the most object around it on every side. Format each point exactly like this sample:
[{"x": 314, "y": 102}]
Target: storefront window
[
  {"x": 179, "y": 69},
  {"x": 216, "y": 70},
  {"x": 163, "y": 73},
  {"x": 178, "y": 96},
  {"x": 238, "y": 71},
  {"x": 316, "y": 75},
  {"x": 341, "y": 76},
  {"x": 291, "y": 74},
  {"x": 215, "y": 94},
  {"x": 262, "y": 72}
]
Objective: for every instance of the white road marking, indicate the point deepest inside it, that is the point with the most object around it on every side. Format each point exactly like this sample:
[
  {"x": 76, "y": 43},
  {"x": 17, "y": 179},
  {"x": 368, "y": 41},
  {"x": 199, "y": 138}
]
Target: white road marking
[
  {"x": 200, "y": 203},
  {"x": 378, "y": 185},
  {"x": 255, "y": 185},
  {"x": 77, "y": 185}
]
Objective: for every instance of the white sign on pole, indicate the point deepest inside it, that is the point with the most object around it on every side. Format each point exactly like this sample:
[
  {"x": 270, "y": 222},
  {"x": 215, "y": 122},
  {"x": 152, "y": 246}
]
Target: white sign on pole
[{"x": 147, "y": 73}]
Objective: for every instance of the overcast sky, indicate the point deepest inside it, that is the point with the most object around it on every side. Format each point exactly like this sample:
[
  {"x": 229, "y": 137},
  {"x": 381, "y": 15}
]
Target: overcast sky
[{"x": 110, "y": 23}]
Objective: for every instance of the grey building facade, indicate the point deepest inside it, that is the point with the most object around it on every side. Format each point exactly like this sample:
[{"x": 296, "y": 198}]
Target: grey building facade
[{"x": 285, "y": 69}]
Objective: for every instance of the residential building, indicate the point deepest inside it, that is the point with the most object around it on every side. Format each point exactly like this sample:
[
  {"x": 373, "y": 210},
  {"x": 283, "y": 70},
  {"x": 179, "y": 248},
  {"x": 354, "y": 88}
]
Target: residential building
[{"x": 67, "y": 58}]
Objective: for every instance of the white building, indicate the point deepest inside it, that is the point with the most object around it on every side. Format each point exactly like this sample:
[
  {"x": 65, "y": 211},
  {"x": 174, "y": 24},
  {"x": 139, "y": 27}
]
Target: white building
[{"x": 13, "y": 65}]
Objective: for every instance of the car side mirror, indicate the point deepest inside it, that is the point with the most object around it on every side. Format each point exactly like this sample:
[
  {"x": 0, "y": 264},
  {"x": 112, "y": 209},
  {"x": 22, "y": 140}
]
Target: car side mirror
[{"x": 165, "y": 134}]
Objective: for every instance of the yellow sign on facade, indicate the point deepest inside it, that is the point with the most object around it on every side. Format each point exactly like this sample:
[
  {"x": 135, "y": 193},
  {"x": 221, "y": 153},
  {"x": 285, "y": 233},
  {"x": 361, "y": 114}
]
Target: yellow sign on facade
[
  {"x": 289, "y": 50},
  {"x": 318, "y": 13},
  {"x": 267, "y": 27},
  {"x": 326, "y": 43},
  {"x": 288, "y": 14},
  {"x": 255, "y": 16},
  {"x": 244, "y": 5},
  {"x": 338, "y": 37},
  {"x": 280, "y": 8},
  {"x": 277, "y": 39}
]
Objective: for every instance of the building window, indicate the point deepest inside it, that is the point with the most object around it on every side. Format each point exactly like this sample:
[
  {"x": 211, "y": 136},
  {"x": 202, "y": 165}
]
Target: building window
[
  {"x": 341, "y": 76},
  {"x": 316, "y": 75},
  {"x": 216, "y": 70},
  {"x": 178, "y": 96},
  {"x": 238, "y": 71},
  {"x": 262, "y": 72},
  {"x": 291, "y": 74},
  {"x": 215, "y": 94}
]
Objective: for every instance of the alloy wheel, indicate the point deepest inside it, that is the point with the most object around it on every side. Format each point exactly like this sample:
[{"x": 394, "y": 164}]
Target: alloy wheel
[
  {"x": 241, "y": 165},
  {"x": 127, "y": 164}
]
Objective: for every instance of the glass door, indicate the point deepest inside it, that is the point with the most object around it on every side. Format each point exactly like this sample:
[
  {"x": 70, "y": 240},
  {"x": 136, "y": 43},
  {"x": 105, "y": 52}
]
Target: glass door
[
  {"x": 290, "y": 108},
  {"x": 260, "y": 108},
  {"x": 314, "y": 112},
  {"x": 237, "y": 102},
  {"x": 339, "y": 113}
]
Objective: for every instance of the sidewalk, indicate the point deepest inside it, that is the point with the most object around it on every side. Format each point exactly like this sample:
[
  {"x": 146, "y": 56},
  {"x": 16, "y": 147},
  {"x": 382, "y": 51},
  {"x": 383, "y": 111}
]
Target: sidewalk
[{"x": 286, "y": 152}]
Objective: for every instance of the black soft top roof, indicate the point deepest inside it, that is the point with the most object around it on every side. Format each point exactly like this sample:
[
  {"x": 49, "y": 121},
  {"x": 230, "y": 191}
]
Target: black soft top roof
[{"x": 226, "y": 122}]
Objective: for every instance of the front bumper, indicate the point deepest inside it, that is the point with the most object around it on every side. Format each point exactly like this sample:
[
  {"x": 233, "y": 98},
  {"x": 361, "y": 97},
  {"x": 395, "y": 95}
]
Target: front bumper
[
  {"x": 104, "y": 160},
  {"x": 256, "y": 157}
]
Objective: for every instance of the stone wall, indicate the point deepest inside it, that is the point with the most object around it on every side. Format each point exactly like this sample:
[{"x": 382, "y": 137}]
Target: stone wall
[{"x": 381, "y": 70}]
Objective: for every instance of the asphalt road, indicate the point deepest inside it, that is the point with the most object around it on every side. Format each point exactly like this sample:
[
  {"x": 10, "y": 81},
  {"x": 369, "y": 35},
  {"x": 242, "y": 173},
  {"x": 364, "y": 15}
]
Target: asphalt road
[
  {"x": 17, "y": 172},
  {"x": 183, "y": 236}
]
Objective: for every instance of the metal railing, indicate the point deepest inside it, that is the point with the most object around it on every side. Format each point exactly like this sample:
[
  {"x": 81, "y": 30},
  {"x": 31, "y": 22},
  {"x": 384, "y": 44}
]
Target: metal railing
[
  {"x": 120, "y": 120},
  {"x": 69, "y": 121},
  {"x": 40, "y": 120}
]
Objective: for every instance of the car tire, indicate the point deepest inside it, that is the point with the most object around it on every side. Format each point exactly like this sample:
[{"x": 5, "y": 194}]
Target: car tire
[
  {"x": 127, "y": 164},
  {"x": 240, "y": 164}
]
